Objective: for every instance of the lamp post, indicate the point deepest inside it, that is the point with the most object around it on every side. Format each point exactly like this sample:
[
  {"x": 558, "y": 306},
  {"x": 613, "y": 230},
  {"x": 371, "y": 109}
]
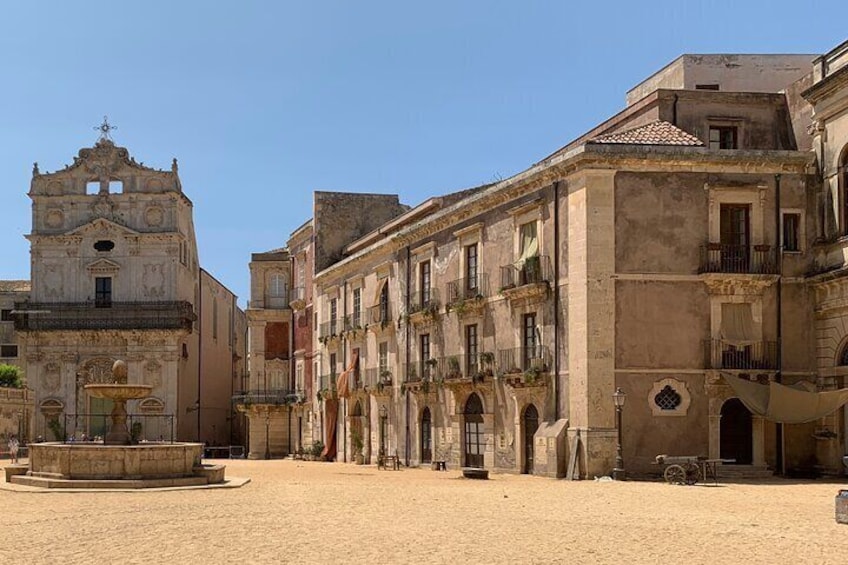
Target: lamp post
[
  {"x": 618, "y": 398},
  {"x": 384, "y": 418},
  {"x": 268, "y": 434},
  {"x": 20, "y": 416}
]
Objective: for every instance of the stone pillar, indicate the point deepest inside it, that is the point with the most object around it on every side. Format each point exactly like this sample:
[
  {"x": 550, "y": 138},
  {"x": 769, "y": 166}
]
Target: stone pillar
[
  {"x": 715, "y": 436},
  {"x": 758, "y": 444},
  {"x": 591, "y": 316}
]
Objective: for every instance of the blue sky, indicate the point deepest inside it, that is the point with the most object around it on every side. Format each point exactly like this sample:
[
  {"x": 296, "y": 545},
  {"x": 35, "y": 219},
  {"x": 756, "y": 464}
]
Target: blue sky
[{"x": 264, "y": 102}]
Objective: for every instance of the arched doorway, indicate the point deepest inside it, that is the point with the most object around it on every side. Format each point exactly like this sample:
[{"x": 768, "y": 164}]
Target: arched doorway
[
  {"x": 530, "y": 423},
  {"x": 736, "y": 432},
  {"x": 426, "y": 436},
  {"x": 357, "y": 438},
  {"x": 474, "y": 442}
]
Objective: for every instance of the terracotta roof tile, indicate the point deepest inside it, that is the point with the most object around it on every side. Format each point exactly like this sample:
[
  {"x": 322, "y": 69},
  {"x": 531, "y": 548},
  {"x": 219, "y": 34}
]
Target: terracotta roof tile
[{"x": 655, "y": 133}]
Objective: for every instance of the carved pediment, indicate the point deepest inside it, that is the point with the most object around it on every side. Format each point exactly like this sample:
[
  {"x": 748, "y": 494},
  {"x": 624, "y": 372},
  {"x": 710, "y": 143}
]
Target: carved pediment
[
  {"x": 102, "y": 227},
  {"x": 737, "y": 284},
  {"x": 103, "y": 267}
]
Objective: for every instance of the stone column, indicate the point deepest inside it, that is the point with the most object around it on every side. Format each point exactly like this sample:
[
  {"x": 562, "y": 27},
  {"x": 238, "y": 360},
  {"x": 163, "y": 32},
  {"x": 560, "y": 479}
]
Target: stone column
[
  {"x": 758, "y": 444},
  {"x": 715, "y": 436},
  {"x": 591, "y": 315}
]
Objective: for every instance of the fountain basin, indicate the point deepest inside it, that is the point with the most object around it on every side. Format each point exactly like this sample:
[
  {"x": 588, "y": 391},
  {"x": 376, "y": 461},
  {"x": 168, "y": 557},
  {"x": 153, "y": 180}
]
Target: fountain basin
[{"x": 94, "y": 461}]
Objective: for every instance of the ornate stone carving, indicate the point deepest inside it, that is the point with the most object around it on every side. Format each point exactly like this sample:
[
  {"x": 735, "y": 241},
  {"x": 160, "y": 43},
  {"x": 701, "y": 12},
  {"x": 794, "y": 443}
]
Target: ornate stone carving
[
  {"x": 154, "y": 216},
  {"x": 96, "y": 370},
  {"x": 51, "y": 378},
  {"x": 153, "y": 280},
  {"x": 53, "y": 287},
  {"x": 735, "y": 284},
  {"x": 153, "y": 373},
  {"x": 55, "y": 219}
]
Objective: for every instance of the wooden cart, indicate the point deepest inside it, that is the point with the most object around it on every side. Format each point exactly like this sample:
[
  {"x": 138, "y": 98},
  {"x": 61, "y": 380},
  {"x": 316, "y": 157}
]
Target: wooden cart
[{"x": 689, "y": 469}]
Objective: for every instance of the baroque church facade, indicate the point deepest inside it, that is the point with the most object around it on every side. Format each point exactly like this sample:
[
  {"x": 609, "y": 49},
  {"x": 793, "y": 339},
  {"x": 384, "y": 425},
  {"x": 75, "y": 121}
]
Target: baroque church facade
[{"x": 115, "y": 275}]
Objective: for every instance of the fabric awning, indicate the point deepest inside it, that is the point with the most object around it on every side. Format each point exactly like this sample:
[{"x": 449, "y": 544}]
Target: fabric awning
[
  {"x": 343, "y": 384},
  {"x": 786, "y": 404},
  {"x": 737, "y": 324}
]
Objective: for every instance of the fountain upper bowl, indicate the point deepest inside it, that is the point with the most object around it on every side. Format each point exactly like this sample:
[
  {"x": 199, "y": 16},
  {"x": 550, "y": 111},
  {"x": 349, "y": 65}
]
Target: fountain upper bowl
[{"x": 118, "y": 391}]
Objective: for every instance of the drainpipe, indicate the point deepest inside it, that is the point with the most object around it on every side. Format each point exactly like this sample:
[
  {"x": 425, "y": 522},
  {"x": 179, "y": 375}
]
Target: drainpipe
[
  {"x": 343, "y": 401},
  {"x": 406, "y": 376},
  {"x": 674, "y": 111},
  {"x": 555, "y": 380},
  {"x": 199, "y": 344},
  {"x": 781, "y": 443}
]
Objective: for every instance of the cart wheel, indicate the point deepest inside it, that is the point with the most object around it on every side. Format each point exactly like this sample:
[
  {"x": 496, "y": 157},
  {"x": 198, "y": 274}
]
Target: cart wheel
[
  {"x": 675, "y": 475},
  {"x": 693, "y": 473}
]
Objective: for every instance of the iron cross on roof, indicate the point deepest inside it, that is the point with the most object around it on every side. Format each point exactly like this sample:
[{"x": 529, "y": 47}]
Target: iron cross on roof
[{"x": 104, "y": 129}]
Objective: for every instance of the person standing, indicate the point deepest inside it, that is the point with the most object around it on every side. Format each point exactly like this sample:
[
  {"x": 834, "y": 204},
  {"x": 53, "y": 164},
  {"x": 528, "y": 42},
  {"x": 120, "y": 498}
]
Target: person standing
[{"x": 13, "y": 448}]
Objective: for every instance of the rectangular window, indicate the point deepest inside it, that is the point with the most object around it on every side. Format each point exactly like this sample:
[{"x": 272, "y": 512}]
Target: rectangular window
[
  {"x": 471, "y": 351},
  {"x": 334, "y": 314},
  {"x": 471, "y": 272},
  {"x": 424, "y": 354},
  {"x": 723, "y": 137},
  {"x": 103, "y": 292},
  {"x": 332, "y": 363},
  {"x": 6, "y": 315},
  {"x": 383, "y": 358},
  {"x": 8, "y": 350},
  {"x": 791, "y": 232},
  {"x": 357, "y": 308},
  {"x": 529, "y": 345},
  {"x": 424, "y": 283}
]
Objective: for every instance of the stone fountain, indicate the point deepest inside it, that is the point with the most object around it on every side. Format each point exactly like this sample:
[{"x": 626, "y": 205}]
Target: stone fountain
[
  {"x": 115, "y": 462},
  {"x": 118, "y": 392}
]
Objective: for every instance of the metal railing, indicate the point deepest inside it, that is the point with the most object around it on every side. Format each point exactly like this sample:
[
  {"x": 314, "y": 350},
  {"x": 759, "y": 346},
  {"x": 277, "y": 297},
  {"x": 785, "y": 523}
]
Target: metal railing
[
  {"x": 523, "y": 359},
  {"x": 380, "y": 313},
  {"x": 738, "y": 259},
  {"x": 275, "y": 397},
  {"x": 297, "y": 294},
  {"x": 420, "y": 300},
  {"x": 376, "y": 375},
  {"x": 143, "y": 428},
  {"x": 720, "y": 354},
  {"x": 468, "y": 288},
  {"x": 327, "y": 382},
  {"x": 534, "y": 270},
  {"x": 331, "y": 328},
  {"x": 32, "y": 316}
]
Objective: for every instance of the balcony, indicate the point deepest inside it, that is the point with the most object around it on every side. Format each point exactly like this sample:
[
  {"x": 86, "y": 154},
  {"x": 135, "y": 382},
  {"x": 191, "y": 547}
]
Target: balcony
[
  {"x": 468, "y": 295},
  {"x": 738, "y": 259},
  {"x": 758, "y": 355},
  {"x": 279, "y": 302},
  {"x": 524, "y": 365},
  {"x": 424, "y": 306},
  {"x": 327, "y": 386},
  {"x": 35, "y": 316},
  {"x": 530, "y": 281},
  {"x": 297, "y": 298},
  {"x": 274, "y": 397},
  {"x": 329, "y": 330},
  {"x": 380, "y": 315},
  {"x": 379, "y": 380},
  {"x": 457, "y": 367}
]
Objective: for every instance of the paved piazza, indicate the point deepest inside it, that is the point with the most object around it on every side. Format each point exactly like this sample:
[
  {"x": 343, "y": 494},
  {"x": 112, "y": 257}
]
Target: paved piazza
[{"x": 302, "y": 512}]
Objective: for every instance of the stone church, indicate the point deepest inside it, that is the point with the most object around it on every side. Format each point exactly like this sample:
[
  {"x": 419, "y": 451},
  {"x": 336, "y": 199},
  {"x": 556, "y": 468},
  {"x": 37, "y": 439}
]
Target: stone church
[{"x": 115, "y": 274}]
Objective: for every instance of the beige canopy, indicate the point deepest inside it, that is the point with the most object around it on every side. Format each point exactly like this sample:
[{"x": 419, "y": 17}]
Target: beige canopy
[{"x": 786, "y": 404}]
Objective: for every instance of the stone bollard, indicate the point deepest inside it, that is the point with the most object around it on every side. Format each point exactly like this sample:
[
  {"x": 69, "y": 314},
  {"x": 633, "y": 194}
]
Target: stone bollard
[{"x": 842, "y": 507}]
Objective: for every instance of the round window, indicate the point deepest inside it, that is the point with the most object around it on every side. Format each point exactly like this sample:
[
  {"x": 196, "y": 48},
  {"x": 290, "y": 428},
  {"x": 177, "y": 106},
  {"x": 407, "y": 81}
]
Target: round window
[{"x": 104, "y": 245}]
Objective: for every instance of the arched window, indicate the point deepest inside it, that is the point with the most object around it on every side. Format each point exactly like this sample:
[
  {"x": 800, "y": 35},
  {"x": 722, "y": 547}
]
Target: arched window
[{"x": 842, "y": 360}]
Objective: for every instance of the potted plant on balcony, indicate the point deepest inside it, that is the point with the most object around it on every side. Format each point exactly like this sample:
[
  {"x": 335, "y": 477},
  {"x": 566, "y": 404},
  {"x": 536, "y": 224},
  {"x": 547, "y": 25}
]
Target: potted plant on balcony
[{"x": 453, "y": 368}]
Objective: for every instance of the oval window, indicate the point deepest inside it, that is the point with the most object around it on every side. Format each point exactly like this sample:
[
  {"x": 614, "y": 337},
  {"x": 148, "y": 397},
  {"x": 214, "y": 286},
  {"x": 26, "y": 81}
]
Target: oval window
[{"x": 104, "y": 245}]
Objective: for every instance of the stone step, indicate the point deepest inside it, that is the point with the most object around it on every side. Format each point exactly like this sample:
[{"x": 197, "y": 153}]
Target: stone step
[{"x": 729, "y": 471}]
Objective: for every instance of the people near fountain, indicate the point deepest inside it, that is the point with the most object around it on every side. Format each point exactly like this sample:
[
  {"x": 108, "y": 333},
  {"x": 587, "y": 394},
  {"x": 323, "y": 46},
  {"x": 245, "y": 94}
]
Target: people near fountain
[{"x": 14, "y": 446}]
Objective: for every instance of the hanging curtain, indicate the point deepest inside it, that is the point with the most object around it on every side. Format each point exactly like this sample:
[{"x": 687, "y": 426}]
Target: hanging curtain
[
  {"x": 528, "y": 242},
  {"x": 343, "y": 385},
  {"x": 737, "y": 324}
]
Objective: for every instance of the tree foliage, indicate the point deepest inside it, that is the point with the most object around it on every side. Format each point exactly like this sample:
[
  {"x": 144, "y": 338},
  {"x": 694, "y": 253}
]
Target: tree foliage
[{"x": 10, "y": 376}]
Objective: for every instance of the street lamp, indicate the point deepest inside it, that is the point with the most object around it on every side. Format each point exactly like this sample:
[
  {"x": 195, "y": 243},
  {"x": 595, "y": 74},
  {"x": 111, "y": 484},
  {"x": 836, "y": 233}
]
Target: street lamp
[
  {"x": 268, "y": 434},
  {"x": 20, "y": 417},
  {"x": 384, "y": 425},
  {"x": 618, "y": 398}
]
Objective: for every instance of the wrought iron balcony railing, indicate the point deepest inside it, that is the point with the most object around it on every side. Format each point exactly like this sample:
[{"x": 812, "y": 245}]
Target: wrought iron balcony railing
[
  {"x": 424, "y": 299},
  {"x": 32, "y": 316},
  {"x": 468, "y": 288},
  {"x": 738, "y": 259},
  {"x": 524, "y": 359},
  {"x": 534, "y": 270},
  {"x": 720, "y": 354},
  {"x": 380, "y": 313},
  {"x": 276, "y": 397},
  {"x": 375, "y": 376},
  {"x": 331, "y": 328}
]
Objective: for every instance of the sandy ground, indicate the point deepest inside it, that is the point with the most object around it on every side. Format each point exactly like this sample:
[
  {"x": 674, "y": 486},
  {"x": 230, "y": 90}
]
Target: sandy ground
[{"x": 303, "y": 512}]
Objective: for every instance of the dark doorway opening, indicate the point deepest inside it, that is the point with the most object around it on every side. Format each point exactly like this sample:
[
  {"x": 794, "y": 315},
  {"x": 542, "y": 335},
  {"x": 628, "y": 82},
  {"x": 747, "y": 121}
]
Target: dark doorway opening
[
  {"x": 530, "y": 424},
  {"x": 426, "y": 436},
  {"x": 736, "y": 431},
  {"x": 474, "y": 442}
]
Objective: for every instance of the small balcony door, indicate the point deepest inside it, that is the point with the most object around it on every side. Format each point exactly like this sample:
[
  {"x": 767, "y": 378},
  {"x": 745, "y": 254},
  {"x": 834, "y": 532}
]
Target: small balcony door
[{"x": 735, "y": 237}]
